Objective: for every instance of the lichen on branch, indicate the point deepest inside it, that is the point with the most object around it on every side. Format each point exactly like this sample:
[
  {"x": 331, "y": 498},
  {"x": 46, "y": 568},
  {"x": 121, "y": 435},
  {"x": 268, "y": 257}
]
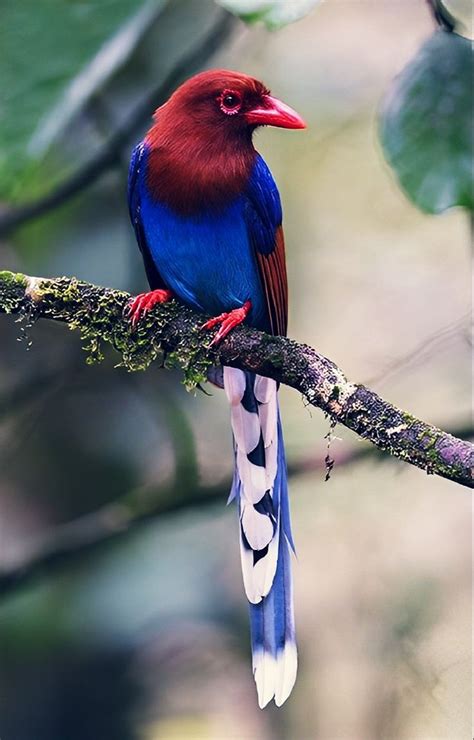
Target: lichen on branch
[{"x": 171, "y": 334}]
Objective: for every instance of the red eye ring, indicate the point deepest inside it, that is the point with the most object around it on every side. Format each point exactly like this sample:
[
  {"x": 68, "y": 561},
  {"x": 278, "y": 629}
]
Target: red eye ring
[{"x": 230, "y": 102}]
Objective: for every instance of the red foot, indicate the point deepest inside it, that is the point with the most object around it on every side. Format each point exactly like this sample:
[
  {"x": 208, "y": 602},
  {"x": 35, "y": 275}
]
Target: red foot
[
  {"x": 144, "y": 302},
  {"x": 227, "y": 321}
]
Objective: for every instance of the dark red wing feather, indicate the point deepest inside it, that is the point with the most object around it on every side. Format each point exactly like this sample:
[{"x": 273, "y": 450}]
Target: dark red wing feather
[{"x": 272, "y": 268}]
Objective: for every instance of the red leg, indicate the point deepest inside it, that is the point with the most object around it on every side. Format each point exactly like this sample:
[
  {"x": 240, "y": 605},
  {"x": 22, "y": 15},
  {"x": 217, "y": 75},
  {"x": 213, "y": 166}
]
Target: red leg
[
  {"x": 227, "y": 321},
  {"x": 144, "y": 302}
]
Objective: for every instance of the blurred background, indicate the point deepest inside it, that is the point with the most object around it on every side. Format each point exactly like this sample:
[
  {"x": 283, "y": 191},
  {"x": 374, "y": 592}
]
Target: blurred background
[{"x": 122, "y": 611}]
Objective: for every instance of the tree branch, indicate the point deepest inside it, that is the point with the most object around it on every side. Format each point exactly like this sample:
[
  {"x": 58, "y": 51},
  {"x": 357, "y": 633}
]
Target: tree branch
[
  {"x": 171, "y": 334},
  {"x": 109, "y": 154},
  {"x": 67, "y": 542}
]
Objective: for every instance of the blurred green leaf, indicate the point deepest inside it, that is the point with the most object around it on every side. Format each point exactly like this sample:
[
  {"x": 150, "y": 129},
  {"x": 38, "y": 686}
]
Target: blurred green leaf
[
  {"x": 273, "y": 13},
  {"x": 425, "y": 125},
  {"x": 55, "y": 55}
]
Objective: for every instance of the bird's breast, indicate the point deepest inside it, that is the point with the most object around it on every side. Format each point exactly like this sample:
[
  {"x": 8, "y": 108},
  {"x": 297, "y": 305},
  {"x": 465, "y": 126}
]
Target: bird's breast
[{"x": 205, "y": 259}]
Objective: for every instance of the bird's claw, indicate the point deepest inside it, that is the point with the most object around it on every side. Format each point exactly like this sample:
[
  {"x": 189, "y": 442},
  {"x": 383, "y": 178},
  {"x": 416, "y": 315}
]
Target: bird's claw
[
  {"x": 144, "y": 302},
  {"x": 227, "y": 321}
]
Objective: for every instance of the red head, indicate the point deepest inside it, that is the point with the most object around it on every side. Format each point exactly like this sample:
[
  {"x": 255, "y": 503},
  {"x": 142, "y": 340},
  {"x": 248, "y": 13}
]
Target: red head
[
  {"x": 222, "y": 98},
  {"x": 202, "y": 137}
]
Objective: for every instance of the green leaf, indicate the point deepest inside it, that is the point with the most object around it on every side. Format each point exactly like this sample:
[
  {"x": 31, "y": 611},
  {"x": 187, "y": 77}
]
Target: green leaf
[
  {"x": 55, "y": 55},
  {"x": 426, "y": 121},
  {"x": 273, "y": 13}
]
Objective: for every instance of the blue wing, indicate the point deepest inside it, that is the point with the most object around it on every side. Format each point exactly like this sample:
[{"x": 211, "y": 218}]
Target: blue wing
[
  {"x": 137, "y": 164},
  {"x": 263, "y": 208},
  {"x": 263, "y": 216}
]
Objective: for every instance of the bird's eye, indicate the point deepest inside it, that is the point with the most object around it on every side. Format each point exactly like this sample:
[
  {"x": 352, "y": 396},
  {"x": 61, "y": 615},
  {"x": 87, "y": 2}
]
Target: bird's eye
[{"x": 230, "y": 102}]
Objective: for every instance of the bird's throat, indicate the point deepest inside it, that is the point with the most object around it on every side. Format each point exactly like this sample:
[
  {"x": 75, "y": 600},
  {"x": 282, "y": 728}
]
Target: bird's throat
[{"x": 197, "y": 174}]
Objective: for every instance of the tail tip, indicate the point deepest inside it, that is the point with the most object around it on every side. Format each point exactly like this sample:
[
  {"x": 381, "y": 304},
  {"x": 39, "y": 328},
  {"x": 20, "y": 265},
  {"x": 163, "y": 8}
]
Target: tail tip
[{"x": 275, "y": 676}]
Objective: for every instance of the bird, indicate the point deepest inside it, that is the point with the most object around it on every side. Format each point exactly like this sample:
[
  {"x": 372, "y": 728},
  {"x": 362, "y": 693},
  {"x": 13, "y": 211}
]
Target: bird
[{"x": 207, "y": 217}]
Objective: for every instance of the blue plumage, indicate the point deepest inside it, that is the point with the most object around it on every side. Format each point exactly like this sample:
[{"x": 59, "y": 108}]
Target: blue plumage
[
  {"x": 208, "y": 259},
  {"x": 207, "y": 217}
]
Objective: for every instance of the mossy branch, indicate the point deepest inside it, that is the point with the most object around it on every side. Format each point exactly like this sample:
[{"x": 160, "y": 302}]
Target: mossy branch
[{"x": 170, "y": 333}]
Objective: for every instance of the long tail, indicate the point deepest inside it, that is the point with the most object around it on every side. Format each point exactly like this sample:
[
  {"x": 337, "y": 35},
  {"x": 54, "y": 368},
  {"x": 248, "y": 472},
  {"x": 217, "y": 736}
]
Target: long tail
[{"x": 260, "y": 488}]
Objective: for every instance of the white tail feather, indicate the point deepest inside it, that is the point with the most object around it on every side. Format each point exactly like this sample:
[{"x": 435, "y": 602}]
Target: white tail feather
[
  {"x": 255, "y": 419},
  {"x": 258, "y": 528},
  {"x": 258, "y": 578},
  {"x": 275, "y": 676},
  {"x": 234, "y": 384},
  {"x": 268, "y": 416},
  {"x": 265, "y": 674},
  {"x": 252, "y": 591},
  {"x": 246, "y": 428},
  {"x": 252, "y": 477},
  {"x": 264, "y": 388},
  {"x": 287, "y": 666},
  {"x": 264, "y": 570}
]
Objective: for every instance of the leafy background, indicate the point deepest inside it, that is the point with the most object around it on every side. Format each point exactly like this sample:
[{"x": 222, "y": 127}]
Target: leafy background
[{"x": 146, "y": 636}]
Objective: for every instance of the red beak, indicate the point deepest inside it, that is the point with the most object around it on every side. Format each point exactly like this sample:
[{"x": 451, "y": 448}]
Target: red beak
[{"x": 273, "y": 112}]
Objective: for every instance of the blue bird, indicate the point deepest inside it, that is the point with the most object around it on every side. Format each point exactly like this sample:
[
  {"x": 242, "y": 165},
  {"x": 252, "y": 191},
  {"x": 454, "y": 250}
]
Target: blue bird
[{"x": 207, "y": 217}]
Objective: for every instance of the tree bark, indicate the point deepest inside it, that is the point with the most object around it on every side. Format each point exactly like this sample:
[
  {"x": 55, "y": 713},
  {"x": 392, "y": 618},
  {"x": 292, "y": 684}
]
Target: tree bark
[{"x": 171, "y": 333}]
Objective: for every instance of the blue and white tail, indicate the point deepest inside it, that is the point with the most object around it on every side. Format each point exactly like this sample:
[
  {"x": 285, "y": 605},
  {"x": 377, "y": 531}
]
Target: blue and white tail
[{"x": 260, "y": 488}]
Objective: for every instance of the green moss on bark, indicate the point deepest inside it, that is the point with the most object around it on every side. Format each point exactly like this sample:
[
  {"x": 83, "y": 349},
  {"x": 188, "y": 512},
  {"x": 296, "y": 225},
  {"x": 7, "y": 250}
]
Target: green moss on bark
[
  {"x": 13, "y": 286},
  {"x": 100, "y": 317}
]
